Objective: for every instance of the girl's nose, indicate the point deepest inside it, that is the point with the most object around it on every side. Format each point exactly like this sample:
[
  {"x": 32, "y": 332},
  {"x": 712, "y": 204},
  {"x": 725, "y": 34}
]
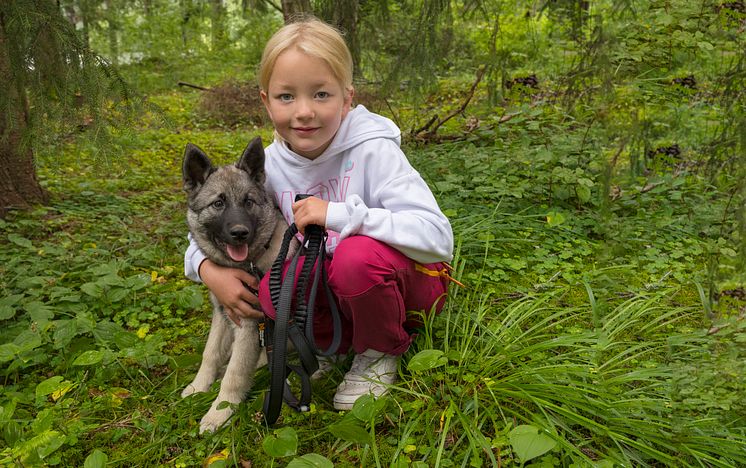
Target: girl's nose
[{"x": 304, "y": 109}]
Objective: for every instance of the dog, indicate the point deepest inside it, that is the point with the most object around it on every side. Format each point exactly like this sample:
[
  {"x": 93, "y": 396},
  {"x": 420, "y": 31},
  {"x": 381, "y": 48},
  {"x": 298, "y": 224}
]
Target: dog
[{"x": 237, "y": 224}]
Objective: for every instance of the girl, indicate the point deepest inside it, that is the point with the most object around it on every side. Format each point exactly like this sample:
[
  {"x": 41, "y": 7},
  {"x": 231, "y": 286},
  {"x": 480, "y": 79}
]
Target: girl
[{"x": 387, "y": 235}]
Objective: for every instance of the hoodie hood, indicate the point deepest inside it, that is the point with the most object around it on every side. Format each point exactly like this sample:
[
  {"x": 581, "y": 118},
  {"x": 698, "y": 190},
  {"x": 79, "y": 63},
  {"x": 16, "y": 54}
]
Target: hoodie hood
[{"x": 359, "y": 126}]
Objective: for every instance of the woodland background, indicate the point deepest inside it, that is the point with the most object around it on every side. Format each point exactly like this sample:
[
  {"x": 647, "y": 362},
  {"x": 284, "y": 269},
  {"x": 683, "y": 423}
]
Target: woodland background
[{"x": 590, "y": 155}]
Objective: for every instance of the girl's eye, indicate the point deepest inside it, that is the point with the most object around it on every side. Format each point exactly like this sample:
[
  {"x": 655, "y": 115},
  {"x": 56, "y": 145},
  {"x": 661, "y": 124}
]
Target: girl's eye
[
  {"x": 218, "y": 204},
  {"x": 322, "y": 95},
  {"x": 285, "y": 97}
]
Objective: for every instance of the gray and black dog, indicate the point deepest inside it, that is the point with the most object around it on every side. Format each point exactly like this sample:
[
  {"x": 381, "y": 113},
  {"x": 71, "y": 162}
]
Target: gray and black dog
[{"x": 236, "y": 224}]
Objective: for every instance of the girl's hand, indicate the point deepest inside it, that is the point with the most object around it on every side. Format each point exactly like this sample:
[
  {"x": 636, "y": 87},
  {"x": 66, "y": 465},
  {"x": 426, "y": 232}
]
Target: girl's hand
[
  {"x": 310, "y": 210},
  {"x": 228, "y": 286}
]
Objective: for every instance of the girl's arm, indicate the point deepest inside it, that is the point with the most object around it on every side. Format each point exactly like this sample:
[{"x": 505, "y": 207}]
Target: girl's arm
[
  {"x": 399, "y": 209},
  {"x": 193, "y": 258}
]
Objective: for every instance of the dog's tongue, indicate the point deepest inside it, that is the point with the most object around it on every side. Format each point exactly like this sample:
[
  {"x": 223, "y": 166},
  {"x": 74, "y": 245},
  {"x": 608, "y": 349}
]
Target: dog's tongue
[{"x": 238, "y": 253}]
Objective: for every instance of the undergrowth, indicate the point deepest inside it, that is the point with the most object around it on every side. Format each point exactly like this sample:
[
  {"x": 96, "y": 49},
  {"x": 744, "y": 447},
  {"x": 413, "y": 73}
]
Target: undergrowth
[
  {"x": 599, "y": 234},
  {"x": 581, "y": 337}
]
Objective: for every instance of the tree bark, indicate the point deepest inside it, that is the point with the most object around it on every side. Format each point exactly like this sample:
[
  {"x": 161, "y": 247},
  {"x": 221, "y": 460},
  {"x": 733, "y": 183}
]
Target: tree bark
[
  {"x": 19, "y": 187},
  {"x": 186, "y": 14},
  {"x": 294, "y": 9},
  {"x": 219, "y": 35},
  {"x": 345, "y": 17},
  {"x": 112, "y": 31}
]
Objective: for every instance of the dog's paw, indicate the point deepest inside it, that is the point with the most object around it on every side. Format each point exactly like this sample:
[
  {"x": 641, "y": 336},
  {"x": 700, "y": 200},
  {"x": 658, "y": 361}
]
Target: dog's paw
[
  {"x": 214, "y": 419},
  {"x": 189, "y": 390},
  {"x": 195, "y": 387}
]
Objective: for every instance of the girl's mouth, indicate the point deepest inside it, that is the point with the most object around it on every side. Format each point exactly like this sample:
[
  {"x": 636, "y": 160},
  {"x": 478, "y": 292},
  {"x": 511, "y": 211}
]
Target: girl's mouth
[{"x": 305, "y": 130}]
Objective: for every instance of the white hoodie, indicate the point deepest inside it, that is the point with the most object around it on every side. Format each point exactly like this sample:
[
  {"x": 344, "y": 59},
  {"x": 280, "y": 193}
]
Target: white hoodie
[{"x": 371, "y": 188}]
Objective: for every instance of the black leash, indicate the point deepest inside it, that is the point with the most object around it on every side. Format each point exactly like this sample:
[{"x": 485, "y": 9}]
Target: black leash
[{"x": 297, "y": 325}]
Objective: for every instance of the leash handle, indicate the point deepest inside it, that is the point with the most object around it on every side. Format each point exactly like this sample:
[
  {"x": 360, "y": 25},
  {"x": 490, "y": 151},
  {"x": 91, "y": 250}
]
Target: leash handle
[
  {"x": 315, "y": 241},
  {"x": 297, "y": 326}
]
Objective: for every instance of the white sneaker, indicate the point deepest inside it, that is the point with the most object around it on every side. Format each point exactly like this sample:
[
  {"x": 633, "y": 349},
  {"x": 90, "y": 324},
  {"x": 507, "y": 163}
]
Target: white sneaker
[
  {"x": 326, "y": 364},
  {"x": 371, "y": 373}
]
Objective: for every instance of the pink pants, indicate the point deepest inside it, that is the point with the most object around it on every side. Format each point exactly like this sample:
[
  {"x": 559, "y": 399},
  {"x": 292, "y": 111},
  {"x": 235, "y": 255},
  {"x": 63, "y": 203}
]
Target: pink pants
[{"x": 375, "y": 286}]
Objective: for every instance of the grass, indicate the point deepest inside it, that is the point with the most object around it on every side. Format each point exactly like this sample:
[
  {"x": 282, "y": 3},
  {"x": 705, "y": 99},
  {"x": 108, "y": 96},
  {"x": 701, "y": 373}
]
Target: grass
[
  {"x": 602, "y": 322},
  {"x": 107, "y": 331}
]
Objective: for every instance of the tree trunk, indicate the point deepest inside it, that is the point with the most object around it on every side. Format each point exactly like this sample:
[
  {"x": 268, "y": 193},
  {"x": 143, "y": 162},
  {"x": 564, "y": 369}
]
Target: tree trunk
[
  {"x": 217, "y": 20},
  {"x": 345, "y": 17},
  {"x": 294, "y": 9},
  {"x": 112, "y": 31},
  {"x": 19, "y": 187},
  {"x": 186, "y": 15},
  {"x": 87, "y": 21}
]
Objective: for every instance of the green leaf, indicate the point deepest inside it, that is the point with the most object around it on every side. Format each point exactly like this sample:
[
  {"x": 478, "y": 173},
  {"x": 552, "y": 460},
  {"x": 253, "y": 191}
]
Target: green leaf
[
  {"x": 111, "y": 280},
  {"x": 39, "y": 312},
  {"x": 48, "y": 442},
  {"x": 12, "y": 299},
  {"x": 311, "y": 460},
  {"x": 43, "y": 421},
  {"x": 124, "y": 339},
  {"x": 528, "y": 443},
  {"x": 89, "y": 358},
  {"x": 8, "y": 352},
  {"x": 7, "y": 411},
  {"x": 85, "y": 322},
  {"x": 189, "y": 298},
  {"x": 7, "y": 312},
  {"x": 583, "y": 192},
  {"x": 106, "y": 269},
  {"x": 426, "y": 360},
  {"x": 665, "y": 19},
  {"x": 97, "y": 459},
  {"x": 366, "y": 407},
  {"x": 92, "y": 289},
  {"x": 281, "y": 443},
  {"x": 555, "y": 218},
  {"x": 186, "y": 360},
  {"x": 106, "y": 331},
  {"x": 728, "y": 252},
  {"x": 64, "y": 332},
  {"x": 137, "y": 282},
  {"x": 28, "y": 340},
  {"x": 223, "y": 405},
  {"x": 117, "y": 294},
  {"x": 20, "y": 241},
  {"x": 48, "y": 386},
  {"x": 12, "y": 433},
  {"x": 350, "y": 432}
]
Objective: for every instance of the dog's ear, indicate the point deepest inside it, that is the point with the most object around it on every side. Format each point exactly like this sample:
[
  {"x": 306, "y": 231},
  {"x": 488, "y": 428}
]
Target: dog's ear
[
  {"x": 196, "y": 167},
  {"x": 252, "y": 160}
]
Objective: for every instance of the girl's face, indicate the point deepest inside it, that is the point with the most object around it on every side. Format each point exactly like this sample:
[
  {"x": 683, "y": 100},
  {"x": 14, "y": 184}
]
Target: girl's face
[{"x": 305, "y": 102}]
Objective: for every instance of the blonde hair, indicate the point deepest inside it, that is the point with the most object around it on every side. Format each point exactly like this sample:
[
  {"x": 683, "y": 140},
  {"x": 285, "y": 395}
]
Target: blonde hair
[{"x": 315, "y": 38}]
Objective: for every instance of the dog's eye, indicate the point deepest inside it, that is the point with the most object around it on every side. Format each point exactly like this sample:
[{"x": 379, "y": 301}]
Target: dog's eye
[
  {"x": 249, "y": 202},
  {"x": 219, "y": 204}
]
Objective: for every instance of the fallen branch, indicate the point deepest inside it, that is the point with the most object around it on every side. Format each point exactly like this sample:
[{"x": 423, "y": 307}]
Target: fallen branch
[
  {"x": 426, "y": 126},
  {"x": 426, "y": 133},
  {"x": 189, "y": 85}
]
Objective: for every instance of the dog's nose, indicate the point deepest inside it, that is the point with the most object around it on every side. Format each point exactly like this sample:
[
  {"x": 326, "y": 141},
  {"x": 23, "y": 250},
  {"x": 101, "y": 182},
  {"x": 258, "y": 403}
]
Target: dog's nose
[{"x": 239, "y": 233}]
